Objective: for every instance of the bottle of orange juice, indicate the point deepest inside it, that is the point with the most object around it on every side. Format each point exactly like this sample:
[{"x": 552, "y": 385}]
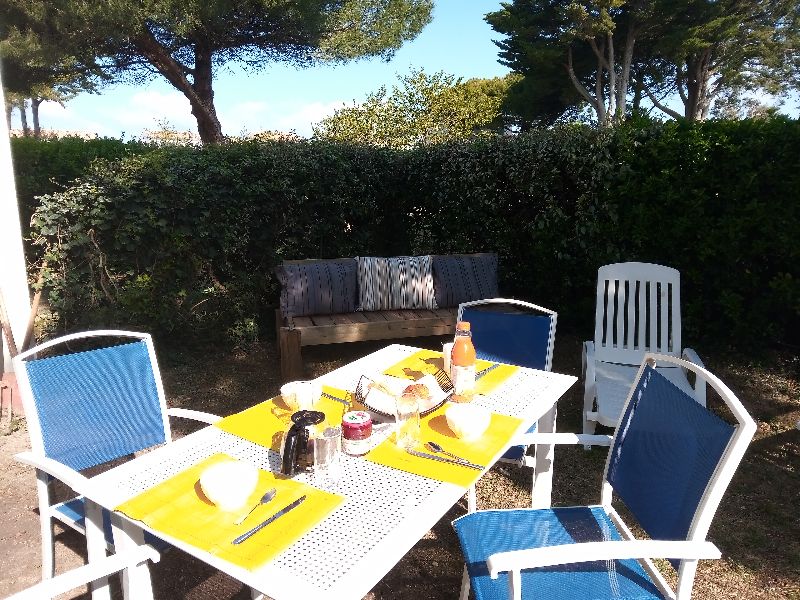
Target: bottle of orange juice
[{"x": 462, "y": 364}]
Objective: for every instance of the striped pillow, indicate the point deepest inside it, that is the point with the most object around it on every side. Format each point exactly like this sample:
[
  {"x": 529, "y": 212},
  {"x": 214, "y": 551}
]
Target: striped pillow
[
  {"x": 398, "y": 282},
  {"x": 323, "y": 287},
  {"x": 463, "y": 277}
]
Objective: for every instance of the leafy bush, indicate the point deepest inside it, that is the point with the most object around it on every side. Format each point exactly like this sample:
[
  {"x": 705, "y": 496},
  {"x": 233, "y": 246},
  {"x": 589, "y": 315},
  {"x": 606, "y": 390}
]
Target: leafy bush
[
  {"x": 44, "y": 166},
  {"x": 184, "y": 240}
]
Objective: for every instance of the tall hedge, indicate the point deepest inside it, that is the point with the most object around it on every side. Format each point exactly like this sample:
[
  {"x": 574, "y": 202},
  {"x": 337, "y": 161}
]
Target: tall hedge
[{"x": 184, "y": 240}]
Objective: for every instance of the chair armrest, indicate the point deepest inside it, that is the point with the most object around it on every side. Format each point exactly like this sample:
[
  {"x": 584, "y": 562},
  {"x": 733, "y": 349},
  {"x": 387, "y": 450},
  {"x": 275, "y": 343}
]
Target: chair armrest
[
  {"x": 195, "y": 415},
  {"x": 93, "y": 571},
  {"x": 699, "y": 386},
  {"x": 528, "y": 439},
  {"x": 549, "y": 556},
  {"x": 75, "y": 480}
]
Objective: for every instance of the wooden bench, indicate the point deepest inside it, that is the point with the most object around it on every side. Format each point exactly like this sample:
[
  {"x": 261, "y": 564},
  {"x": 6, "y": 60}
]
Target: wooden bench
[
  {"x": 294, "y": 331},
  {"x": 315, "y": 330}
]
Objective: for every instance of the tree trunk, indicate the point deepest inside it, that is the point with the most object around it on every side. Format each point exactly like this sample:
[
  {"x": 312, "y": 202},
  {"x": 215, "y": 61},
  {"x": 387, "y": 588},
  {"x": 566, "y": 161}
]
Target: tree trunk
[
  {"x": 23, "y": 117},
  {"x": 698, "y": 79},
  {"x": 200, "y": 93},
  {"x": 208, "y": 125},
  {"x": 35, "y": 102},
  {"x": 9, "y": 108}
]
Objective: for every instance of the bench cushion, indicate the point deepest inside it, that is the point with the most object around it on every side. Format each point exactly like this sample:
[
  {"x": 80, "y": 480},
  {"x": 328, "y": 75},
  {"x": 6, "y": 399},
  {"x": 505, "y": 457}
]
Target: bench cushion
[
  {"x": 402, "y": 282},
  {"x": 461, "y": 278},
  {"x": 321, "y": 287}
]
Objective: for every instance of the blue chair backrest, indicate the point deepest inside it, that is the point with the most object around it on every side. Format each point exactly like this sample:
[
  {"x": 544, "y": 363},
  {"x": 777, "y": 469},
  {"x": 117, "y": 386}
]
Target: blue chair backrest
[
  {"x": 515, "y": 338},
  {"x": 664, "y": 456},
  {"x": 98, "y": 405}
]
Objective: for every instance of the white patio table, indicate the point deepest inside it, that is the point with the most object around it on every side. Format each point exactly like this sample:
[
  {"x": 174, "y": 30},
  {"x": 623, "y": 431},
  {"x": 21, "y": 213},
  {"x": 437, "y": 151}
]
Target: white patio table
[{"x": 386, "y": 510}]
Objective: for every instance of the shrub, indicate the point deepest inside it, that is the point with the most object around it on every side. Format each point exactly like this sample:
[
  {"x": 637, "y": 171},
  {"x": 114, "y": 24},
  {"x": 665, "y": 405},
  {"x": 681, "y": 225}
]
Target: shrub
[{"x": 184, "y": 240}]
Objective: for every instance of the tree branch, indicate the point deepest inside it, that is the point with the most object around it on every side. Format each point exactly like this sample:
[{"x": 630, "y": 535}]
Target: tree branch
[
  {"x": 659, "y": 106},
  {"x": 575, "y": 82}
]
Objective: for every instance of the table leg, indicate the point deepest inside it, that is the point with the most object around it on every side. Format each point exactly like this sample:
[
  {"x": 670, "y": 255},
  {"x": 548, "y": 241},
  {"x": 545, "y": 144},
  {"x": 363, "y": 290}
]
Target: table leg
[
  {"x": 542, "y": 487},
  {"x": 136, "y": 581},
  {"x": 96, "y": 547}
]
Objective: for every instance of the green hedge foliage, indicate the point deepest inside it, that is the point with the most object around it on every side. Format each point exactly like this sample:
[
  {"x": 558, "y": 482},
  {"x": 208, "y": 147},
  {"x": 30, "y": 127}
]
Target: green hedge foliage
[
  {"x": 49, "y": 165},
  {"x": 185, "y": 240}
]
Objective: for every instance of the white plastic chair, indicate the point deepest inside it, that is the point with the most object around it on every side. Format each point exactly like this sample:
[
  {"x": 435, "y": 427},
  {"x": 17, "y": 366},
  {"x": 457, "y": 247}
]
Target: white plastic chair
[
  {"x": 638, "y": 310},
  {"x": 135, "y": 557},
  {"x": 670, "y": 462},
  {"x": 84, "y": 409}
]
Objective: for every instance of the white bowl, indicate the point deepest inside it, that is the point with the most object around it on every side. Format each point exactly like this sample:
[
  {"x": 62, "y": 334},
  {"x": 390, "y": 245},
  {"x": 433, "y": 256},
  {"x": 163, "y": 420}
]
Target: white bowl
[
  {"x": 467, "y": 421},
  {"x": 229, "y": 484}
]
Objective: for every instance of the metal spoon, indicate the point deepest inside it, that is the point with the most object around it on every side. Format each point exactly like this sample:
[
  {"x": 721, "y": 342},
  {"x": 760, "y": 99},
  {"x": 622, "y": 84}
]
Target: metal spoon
[
  {"x": 268, "y": 495},
  {"x": 437, "y": 448}
]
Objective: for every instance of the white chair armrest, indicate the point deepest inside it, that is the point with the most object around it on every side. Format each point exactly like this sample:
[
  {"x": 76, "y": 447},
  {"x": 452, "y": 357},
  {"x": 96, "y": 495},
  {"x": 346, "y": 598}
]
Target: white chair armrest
[
  {"x": 75, "y": 480},
  {"x": 195, "y": 415},
  {"x": 87, "y": 573},
  {"x": 588, "y": 551},
  {"x": 692, "y": 356},
  {"x": 528, "y": 439},
  {"x": 699, "y": 385}
]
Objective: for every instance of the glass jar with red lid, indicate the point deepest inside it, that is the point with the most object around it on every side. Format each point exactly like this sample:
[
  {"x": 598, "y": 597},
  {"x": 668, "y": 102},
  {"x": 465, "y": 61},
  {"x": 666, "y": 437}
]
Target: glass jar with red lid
[{"x": 356, "y": 432}]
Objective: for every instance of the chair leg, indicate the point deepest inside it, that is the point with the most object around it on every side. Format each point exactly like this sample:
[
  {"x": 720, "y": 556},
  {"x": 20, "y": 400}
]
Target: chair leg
[
  {"x": 45, "y": 524},
  {"x": 589, "y": 425},
  {"x": 96, "y": 547},
  {"x": 542, "y": 480},
  {"x": 464, "y": 585},
  {"x": 136, "y": 580},
  {"x": 472, "y": 499}
]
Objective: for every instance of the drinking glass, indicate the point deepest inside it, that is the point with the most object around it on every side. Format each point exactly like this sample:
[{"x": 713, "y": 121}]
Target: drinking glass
[
  {"x": 406, "y": 421},
  {"x": 447, "y": 350},
  {"x": 327, "y": 456}
]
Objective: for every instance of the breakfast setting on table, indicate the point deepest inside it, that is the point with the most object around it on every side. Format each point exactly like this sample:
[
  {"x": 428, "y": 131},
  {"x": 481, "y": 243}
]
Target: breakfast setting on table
[{"x": 421, "y": 415}]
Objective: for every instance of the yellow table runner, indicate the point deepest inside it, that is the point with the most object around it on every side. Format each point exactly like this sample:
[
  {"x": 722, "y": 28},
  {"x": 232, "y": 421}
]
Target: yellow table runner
[
  {"x": 178, "y": 508},
  {"x": 434, "y": 428},
  {"x": 265, "y": 423},
  {"x": 424, "y": 362}
]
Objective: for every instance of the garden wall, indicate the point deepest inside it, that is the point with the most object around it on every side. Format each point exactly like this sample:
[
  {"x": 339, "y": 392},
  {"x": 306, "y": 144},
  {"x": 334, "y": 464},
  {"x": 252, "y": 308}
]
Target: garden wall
[{"x": 184, "y": 240}]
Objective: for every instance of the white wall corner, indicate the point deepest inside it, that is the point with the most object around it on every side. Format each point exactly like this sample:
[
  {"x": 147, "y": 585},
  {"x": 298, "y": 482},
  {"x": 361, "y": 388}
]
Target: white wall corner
[{"x": 13, "y": 276}]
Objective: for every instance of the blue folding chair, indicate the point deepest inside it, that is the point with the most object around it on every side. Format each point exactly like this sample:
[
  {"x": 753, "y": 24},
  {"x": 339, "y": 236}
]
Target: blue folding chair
[
  {"x": 516, "y": 333},
  {"x": 671, "y": 460},
  {"x": 84, "y": 409}
]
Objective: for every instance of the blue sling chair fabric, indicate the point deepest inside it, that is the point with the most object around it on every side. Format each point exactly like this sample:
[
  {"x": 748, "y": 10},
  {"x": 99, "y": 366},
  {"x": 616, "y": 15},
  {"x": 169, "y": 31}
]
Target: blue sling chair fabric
[
  {"x": 98, "y": 405},
  {"x": 94, "y": 407},
  {"x": 514, "y": 338},
  {"x": 666, "y": 451}
]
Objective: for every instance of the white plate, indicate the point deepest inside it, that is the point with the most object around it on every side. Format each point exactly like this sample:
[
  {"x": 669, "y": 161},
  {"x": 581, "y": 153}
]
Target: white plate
[{"x": 383, "y": 404}]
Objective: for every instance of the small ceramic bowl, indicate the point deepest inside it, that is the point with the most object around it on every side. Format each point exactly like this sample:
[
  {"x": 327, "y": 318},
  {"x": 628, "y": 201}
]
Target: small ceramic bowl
[
  {"x": 467, "y": 421},
  {"x": 229, "y": 484}
]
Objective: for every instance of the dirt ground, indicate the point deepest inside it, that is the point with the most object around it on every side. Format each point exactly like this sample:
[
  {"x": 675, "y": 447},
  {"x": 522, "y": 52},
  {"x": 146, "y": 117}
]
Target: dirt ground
[{"x": 756, "y": 528}]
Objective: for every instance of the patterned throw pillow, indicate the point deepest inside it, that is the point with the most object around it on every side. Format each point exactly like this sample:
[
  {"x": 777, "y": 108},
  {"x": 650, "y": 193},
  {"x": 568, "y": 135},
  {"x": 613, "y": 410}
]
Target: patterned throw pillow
[
  {"x": 463, "y": 277},
  {"x": 323, "y": 287},
  {"x": 398, "y": 282}
]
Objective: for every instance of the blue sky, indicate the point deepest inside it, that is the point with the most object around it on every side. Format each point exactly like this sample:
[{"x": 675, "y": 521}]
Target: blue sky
[{"x": 283, "y": 98}]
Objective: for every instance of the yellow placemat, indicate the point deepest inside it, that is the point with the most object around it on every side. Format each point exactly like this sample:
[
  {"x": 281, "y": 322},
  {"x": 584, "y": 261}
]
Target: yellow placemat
[
  {"x": 178, "y": 507},
  {"x": 424, "y": 362},
  {"x": 433, "y": 427},
  {"x": 265, "y": 423}
]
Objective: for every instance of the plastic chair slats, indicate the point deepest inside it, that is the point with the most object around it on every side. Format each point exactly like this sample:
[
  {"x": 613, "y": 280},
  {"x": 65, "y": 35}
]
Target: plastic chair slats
[
  {"x": 663, "y": 459},
  {"x": 514, "y": 338},
  {"x": 101, "y": 404},
  {"x": 484, "y": 533}
]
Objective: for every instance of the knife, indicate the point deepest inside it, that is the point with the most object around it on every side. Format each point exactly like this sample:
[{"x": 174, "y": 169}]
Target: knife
[
  {"x": 485, "y": 371},
  {"x": 463, "y": 463},
  {"x": 260, "y": 526}
]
